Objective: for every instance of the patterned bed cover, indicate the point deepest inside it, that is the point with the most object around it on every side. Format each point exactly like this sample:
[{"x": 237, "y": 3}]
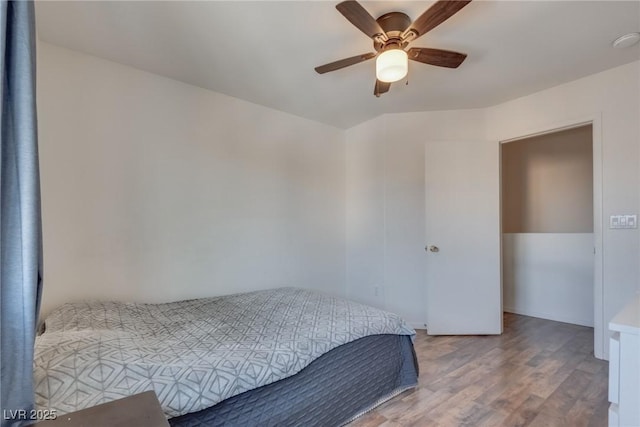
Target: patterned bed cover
[{"x": 196, "y": 353}]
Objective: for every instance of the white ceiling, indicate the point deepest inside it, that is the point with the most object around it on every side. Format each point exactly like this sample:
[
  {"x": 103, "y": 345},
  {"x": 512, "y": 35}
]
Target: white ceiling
[{"x": 265, "y": 51}]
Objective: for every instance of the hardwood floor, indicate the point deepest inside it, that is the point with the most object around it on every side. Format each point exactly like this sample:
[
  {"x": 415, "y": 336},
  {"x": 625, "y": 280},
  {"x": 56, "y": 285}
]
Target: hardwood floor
[{"x": 539, "y": 373}]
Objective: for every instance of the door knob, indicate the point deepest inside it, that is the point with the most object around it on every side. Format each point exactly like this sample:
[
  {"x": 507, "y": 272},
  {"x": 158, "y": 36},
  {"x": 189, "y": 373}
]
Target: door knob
[{"x": 432, "y": 248}]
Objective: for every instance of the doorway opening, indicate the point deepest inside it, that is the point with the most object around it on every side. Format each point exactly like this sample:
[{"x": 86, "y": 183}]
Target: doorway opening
[{"x": 549, "y": 226}]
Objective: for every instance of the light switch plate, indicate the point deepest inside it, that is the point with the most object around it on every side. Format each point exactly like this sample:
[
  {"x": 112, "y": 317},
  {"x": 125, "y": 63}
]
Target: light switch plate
[
  {"x": 623, "y": 221},
  {"x": 615, "y": 221}
]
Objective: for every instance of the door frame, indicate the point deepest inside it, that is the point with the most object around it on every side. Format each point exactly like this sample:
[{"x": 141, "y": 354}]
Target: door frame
[{"x": 595, "y": 121}]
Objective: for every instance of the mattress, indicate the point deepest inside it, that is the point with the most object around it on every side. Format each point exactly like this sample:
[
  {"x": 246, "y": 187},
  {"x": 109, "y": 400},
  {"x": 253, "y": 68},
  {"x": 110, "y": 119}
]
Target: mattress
[{"x": 333, "y": 390}]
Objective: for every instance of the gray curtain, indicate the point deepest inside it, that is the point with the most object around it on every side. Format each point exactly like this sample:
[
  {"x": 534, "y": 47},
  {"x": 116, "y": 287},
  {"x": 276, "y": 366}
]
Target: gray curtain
[{"x": 20, "y": 224}]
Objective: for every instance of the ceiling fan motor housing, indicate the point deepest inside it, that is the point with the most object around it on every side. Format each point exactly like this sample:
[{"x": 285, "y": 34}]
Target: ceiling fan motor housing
[{"x": 394, "y": 25}]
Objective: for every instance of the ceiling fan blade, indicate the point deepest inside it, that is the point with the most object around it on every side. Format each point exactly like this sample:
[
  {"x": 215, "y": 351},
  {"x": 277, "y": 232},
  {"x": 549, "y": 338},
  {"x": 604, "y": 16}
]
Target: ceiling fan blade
[
  {"x": 439, "y": 57},
  {"x": 435, "y": 15},
  {"x": 332, "y": 66},
  {"x": 380, "y": 88},
  {"x": 358, "y": 16}
]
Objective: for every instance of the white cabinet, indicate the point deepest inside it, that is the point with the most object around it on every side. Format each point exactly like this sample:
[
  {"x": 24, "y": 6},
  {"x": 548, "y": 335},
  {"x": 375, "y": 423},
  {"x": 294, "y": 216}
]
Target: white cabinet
[{"x": 624, "y": 367}]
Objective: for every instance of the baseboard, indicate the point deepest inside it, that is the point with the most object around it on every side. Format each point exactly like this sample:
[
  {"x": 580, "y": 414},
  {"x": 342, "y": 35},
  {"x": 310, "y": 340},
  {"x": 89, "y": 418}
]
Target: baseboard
[
  {"x": 548, "y": 316},
  {"x": 417, "y": 325}
]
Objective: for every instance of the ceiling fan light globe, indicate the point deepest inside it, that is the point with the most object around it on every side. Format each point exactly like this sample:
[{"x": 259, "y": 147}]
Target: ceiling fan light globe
[{"x": 392, "y": 65}]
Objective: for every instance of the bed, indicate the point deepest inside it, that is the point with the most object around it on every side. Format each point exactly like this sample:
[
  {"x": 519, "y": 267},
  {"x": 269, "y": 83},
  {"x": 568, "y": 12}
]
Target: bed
[{"x": 280, "y": 357}]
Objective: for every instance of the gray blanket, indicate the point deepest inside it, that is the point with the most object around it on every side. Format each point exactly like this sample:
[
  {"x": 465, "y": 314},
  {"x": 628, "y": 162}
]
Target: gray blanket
[{"x": 193, "y": 353}]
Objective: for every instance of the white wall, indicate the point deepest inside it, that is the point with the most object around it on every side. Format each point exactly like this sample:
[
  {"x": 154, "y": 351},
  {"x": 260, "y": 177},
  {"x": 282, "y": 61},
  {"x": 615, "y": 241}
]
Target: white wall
[
  {"x": 549, "y": 275},
  {"x": 611, "y": 95},
  {"x": 154, "y": 190},
  {"x": 365, "y": 214}
]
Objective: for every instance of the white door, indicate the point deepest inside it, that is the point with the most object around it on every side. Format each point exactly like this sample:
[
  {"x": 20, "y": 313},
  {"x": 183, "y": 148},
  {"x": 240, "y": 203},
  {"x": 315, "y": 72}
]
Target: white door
[{"x": 463, "y": 272}]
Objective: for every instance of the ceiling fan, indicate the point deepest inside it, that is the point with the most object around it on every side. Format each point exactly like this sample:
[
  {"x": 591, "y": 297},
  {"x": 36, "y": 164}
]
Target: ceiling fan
[{"x": 391, "y": 33}]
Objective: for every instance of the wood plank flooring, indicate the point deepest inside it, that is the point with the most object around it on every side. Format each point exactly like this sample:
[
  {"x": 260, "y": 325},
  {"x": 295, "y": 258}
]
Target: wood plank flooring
[{"x": 539, "y": 373}]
